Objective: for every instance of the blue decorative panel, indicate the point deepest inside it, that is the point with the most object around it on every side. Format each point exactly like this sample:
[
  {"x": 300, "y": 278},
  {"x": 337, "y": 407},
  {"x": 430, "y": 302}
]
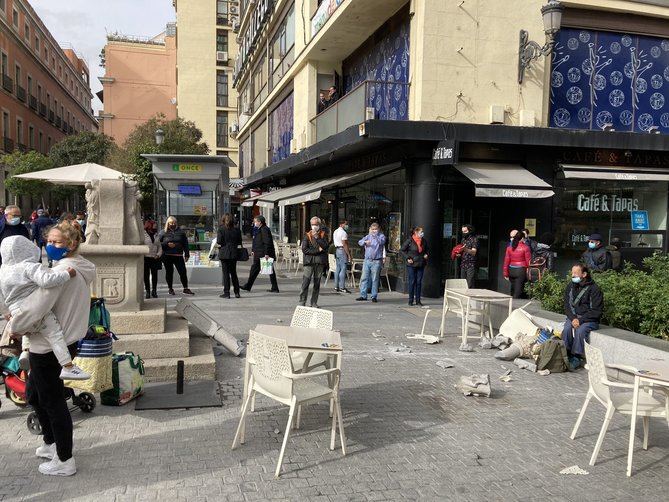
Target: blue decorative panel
[
  {"x": 603, "y": 77},
  {"x": 281, "y": 130},
  {"x": 384, "y": 59}
]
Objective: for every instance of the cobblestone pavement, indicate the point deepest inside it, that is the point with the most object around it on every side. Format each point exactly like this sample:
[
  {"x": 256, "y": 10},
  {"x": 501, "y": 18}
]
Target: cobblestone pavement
[{"x": 410, "y": 434}]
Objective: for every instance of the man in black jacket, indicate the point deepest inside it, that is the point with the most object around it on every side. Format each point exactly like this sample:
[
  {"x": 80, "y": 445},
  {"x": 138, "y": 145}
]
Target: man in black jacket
[
  {"x": 263, "y": 247},
  {"x": 583, "y": 305},
  {"x": 596, "y": 257},
  {"x": 315, "y": 251}
]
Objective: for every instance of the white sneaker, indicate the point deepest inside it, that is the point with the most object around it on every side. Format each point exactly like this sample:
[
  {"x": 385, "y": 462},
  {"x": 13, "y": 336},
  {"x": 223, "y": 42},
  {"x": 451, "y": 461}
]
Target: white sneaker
[
  {"x": 74, "y": 372},
  {"x": 58, "y": 468},
  {"x": 46, "y": 451},
  {"x": 24, "y": 361}
]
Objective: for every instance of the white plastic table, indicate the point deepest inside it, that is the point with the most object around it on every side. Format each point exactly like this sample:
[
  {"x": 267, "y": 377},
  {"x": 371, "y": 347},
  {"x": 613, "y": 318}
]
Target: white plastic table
[
  {"x": 465, "y": 297},
  {"x": 653, "y": 372}
]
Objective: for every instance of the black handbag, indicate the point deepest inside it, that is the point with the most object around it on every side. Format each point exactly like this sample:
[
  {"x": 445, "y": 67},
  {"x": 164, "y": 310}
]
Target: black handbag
[{"x": 242, "y": 254}]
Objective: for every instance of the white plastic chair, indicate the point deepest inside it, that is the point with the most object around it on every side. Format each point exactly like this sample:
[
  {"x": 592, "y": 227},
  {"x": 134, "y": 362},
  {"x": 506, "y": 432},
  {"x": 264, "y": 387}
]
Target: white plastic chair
[
  {"x": 272, "y": 376},
  {"x": 310, "y": 317},
  {"x": 452, "y": 304},
  {"x": 620, "y": 401},
  {"x": 384, "y": 273},
  {"x": 300, "y": 260},
  {"x": 332, "y": 264},
  {"x": 356, "y": 268}
]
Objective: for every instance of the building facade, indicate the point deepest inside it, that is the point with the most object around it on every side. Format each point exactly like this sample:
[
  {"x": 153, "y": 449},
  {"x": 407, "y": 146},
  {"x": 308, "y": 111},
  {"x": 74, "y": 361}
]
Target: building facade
[
  {"x": 140, "y": 81},
  {"x": 45, "y": 92},
  {"x": 206, "y": 50},
  {"x": 436, "y": 123}
]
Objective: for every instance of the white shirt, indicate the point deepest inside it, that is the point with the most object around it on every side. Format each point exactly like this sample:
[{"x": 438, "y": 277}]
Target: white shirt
[{"x": 339, "y": 236}]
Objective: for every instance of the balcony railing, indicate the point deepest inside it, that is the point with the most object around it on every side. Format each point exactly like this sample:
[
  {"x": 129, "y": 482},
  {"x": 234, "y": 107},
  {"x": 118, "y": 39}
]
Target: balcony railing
[
  {"x": 21, "y": 93},
  {"x": 21, "y": 147},
  {"x": 33, "y": 103},
  {"x": 70, "y": 129},
  {"x": 369, "y": 100},
  {"x": 65, "y": 126},
  {"x": 42, "y": 109},
  {"x": 8, "y": 145},
  {"x": 7, "y": 83},
  {"x": 52, "y": 116},
  {"x": 58, "y": 122}
]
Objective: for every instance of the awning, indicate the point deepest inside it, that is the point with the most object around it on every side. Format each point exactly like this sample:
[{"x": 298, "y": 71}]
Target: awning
[
  {"x": 505, "y": 180},
  {"x": 615, "y": 173}
]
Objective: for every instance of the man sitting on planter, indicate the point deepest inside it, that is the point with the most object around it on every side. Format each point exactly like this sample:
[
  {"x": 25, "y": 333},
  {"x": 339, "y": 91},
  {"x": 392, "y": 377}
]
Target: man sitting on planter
[{"x": 583, "y": 303}]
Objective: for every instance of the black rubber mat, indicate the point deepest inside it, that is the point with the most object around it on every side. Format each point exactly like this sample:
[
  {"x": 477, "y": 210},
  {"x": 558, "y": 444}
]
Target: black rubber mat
[{"x": 163, "y": 396}]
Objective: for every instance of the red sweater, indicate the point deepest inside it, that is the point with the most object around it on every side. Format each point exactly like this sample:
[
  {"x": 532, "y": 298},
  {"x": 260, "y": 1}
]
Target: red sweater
[{"x": 519, "y": 257}]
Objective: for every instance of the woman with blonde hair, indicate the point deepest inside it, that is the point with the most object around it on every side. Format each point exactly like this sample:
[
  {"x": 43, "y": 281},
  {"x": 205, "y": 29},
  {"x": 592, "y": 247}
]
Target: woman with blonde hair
[
  {"x": 175, "y": 254},
  {"x": 70, "y": 303}
]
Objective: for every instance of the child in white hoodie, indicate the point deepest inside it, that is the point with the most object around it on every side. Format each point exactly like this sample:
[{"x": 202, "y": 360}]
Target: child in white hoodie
[{"x": 21, "y": 274}]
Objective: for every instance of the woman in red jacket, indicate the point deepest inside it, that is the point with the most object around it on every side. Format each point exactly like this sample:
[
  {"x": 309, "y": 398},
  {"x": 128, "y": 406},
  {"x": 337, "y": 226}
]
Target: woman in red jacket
[{"x": 516, "y": 261}]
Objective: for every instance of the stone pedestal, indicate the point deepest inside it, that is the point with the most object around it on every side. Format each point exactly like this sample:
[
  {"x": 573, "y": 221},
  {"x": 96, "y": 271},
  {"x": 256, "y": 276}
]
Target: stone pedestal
[{"x": 119, "y": 275}]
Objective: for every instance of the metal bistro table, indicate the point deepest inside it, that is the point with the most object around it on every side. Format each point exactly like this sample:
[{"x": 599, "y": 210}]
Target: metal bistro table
[
  {"x": 307, "y": 339},
  {"x": 465, "y": 298},
  {"x": 655, "y": 373}
]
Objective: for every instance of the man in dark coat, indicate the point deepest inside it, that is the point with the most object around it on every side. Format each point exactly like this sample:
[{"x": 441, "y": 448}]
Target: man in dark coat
[
  {"x": 263, "y": 247},
  {"x": 596, "y": 257},
  {"x": 10, "y": 224},
  {"x": 315, "y": 252},
  {"x": 39, "y": 227}
]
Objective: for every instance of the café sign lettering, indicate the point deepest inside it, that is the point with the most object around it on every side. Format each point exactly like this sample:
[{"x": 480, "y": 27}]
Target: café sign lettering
[
  {"x": 444, "y": 154},
  {"x": 605, "y": 203}
]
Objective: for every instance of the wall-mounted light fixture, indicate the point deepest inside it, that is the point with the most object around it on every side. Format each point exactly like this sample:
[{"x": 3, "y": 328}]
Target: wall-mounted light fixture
[{"x": 529, "y": 50}]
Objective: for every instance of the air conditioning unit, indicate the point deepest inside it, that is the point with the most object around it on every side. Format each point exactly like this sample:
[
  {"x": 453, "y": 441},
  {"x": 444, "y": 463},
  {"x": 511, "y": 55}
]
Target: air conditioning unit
[
  {"x": 221, "y": 56},
  {"x": 235, "y": 25},
  {"x": 496, "y": 114},
  {"x": 370, "y": 113},
  {"x": 234, "y": 9},
  {"x": 234, "y": 130}
]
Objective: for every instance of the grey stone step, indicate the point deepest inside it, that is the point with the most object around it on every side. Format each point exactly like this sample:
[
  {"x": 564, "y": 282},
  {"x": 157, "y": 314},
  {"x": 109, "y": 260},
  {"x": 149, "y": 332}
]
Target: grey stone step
[
  {"x": 200, "y": 365},
  {"x": 151, "y": 319},
  {"x": 174, "y": 342}
]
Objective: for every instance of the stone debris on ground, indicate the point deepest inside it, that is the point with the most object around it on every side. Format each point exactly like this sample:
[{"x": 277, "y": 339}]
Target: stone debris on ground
[
  {"x": 501, "y": 342},
  {"x": 429, "y": 339},
  {"x": 475, "y": 385},
  {"x": 544, "y": 372},
  {"x": 466, "y": 347},
  {"x": 485, "y": 344},
  {"x": 378, "y": 358},
  {"x": 446, "y": 363},
  {"x": 524, "y": 364},
  {"x": 279, "y": 320},
  {"x": 574, "y": 469},
  {"x": 277, "y": 431},
  {"x": 406, "y": 350}
]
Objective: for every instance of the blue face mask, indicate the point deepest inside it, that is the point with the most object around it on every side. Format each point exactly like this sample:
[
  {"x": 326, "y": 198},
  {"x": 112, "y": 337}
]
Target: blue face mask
[
  {"x": 14, "y": 221},
  {"x": 55, "y": 253},
  {"x": 575, "y": 280},
  {"x": 592, "y": 245}
]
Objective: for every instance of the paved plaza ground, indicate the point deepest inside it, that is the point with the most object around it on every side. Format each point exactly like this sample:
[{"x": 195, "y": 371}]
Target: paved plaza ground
[{"x": 410, "y": 434}]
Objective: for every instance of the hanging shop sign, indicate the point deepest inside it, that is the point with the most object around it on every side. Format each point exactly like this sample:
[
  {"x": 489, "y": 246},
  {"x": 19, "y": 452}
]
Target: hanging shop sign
[
  {"x": 445, "y": 153},
  {"x": 640, "y": 220},
  {"x": 604, "y": 203}
]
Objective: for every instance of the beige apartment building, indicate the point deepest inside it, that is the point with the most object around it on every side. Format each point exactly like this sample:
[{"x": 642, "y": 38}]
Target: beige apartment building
[
  {"x": 539, "y": 114},
  {"x": 206, "y": 50},
  {"x": 140, "y": 81}
]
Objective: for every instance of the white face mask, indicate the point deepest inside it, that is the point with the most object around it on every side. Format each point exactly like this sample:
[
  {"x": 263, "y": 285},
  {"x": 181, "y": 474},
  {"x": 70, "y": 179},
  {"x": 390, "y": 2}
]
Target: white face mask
[
  {"x": 421, "y": 234},
  {"x": 315, "y": 228}
]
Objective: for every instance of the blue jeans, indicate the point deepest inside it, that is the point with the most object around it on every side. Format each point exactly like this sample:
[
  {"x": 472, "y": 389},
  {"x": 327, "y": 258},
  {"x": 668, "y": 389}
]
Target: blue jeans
[
  {"x": 575, "y": 343},
  {"x": 415, "y": 278},
  {"x": 340, "y": 273},
  {"x": 371, "y": 270}
]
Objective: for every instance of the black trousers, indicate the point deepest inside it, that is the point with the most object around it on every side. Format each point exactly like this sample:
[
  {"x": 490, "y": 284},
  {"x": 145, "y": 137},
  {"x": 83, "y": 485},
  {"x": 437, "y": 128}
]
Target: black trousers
[
  {"x": 170, "y": 262},
  {"x": 150, "y": 274},
  {"x": 469, "y": 274},
  {"x": 229, "y": 268},
  {"x": 309, "y": 272},
  {"x": 253, "y": 274},
  {"x": 46, "y": 394},
  {"x": 518, "y": 278}
]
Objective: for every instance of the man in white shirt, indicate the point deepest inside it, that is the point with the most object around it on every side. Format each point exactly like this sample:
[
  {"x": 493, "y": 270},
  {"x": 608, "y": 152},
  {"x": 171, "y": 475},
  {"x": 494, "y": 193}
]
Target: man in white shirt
[{"x": 343, "y": 256}]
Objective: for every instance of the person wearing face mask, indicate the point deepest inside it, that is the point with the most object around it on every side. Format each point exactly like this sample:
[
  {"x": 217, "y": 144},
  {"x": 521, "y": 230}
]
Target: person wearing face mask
[
  {"x": 583, "y": 305},
  {"x": 517, "y": 259},
  {"x": 414, "y": 251},
  {"x": 597, "y": 257},
  {"x": 152, "y": 262},
  {"x": 81, "y": 220},
  {"x": 262, "y": 247},
  {"x": 315, "y": 251},
  {"x": 175, "y": 254},
  {"x": 342, "y": 255},
  {"x": 11, "y": 224},
  {"x": 39, "y": 227},
  {"x": 373, "y": 243},
  {"x": 470, "y": 248}
]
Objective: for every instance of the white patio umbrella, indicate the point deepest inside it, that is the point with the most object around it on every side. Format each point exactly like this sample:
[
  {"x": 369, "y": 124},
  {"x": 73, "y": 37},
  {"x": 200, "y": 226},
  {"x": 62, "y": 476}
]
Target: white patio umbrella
[{"x": 78, "y": 174}]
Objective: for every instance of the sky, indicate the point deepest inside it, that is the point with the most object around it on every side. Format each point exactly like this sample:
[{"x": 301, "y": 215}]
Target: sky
[{"x": 85, "y": 23}]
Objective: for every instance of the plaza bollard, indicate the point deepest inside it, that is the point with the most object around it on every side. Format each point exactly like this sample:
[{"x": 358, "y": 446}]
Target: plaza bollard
[{"x": 180, "y": 377}]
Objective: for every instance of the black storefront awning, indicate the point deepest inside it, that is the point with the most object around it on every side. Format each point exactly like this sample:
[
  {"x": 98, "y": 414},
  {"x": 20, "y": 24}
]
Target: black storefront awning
[
  {"x": 505, "y": 180},
  {"x": 614, "y": 173}
]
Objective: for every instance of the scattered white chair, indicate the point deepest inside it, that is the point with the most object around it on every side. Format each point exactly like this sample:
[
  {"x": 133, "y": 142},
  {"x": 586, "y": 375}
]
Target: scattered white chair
[
  {"x": 300, "y": 260},
  {"x": 272, "y": 376},
  {"x": 356, "y": 268},
  {"x": 310, "y": 317},
  {"x": 384, "y": 273},
  {"x": 451, "y": 304},
  {"x": 620, "y": 401},
  {"x": 332, "y": 270}
]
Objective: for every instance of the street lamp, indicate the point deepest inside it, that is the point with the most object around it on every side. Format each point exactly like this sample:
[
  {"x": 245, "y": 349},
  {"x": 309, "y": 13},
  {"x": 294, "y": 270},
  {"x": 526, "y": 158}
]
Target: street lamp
[
  {"x": 529, "y": 50},
  {"x": 160, "y": 136}
]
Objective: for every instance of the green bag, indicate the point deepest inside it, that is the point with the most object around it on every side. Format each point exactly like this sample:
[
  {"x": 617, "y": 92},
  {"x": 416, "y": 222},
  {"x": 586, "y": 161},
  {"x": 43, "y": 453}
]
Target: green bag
[
  {"x": 553, "y": 356},
  {"x": 127, "y": 377}
]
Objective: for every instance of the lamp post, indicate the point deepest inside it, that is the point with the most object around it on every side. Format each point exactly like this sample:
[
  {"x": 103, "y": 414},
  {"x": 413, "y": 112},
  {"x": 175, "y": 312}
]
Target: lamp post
[
  {"x": 529, "y": 50},
  {"x": 160, "y": 136}
]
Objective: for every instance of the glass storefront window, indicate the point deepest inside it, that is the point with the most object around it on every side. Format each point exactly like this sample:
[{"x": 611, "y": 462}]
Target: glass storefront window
[{"x": 605, "y": 207}]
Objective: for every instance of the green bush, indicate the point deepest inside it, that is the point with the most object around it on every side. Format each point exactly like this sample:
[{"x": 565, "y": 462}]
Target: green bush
[{"x": 636, "y": 300}]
